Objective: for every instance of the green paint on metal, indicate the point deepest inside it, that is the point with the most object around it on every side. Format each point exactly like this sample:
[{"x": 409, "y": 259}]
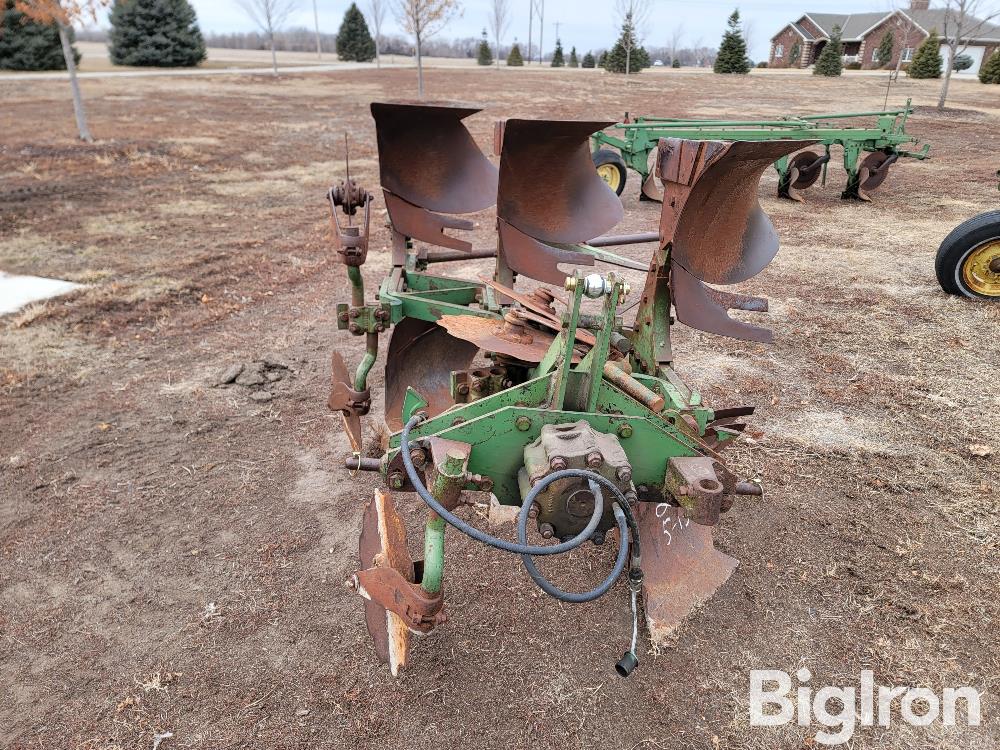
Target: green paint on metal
[
  {"x": 433, "y": 555},
  {"x": 412, "y": 403}
]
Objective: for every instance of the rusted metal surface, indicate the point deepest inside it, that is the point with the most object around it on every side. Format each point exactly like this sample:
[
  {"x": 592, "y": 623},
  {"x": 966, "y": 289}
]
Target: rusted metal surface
[
  {"x": 383, "y": 539},
  {"x": 510, "y": 337},
  {"x": 351, "y": 404},
  {"x": 698, "y": 306},
  {"x": 721, "y": 234},
  {"x": 683, "y": 569},
  {"x": 422, "y": 355},
  {"x": 548, "y": 188},
  {"x": 612, "y": 240},
  {"x": 613, "y": 373},
  {"x": 702, "y": 486},
  {"x": 809, "y": 165},
  {"x": 874, "y": 169},
  {"x": 534, "y": 259},
  {"x": 428, "y": 158},
  {"x": 546, "y": 316},
  {"x": 418, "y": 223},
  {"x": 350, "y": 240},
  {"x": 652, "y": 189}
]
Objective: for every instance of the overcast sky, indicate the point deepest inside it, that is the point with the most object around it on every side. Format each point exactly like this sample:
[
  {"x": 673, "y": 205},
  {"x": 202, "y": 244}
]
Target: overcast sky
[{"x": 586, "y": 24}]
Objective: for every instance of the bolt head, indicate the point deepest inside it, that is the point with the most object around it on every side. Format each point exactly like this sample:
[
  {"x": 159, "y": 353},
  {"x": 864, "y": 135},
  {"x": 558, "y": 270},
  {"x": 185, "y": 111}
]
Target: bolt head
[
  {"x": 343, "y": 317},
  {"x": 463, "y": 389},
  {"x": 533, "y": 511},
  {"x": 354, "y": 312},
  {"x": 557, "y": 463},
  {"x": 625, "y": 431},
  {"x": 624, "y": 474},
  {"x": 570, "y": 284},
  {"x": 546, "y": 530},
  {"x": 353, "y": 328},
  {"x": 523, "y": 423},
  {"x": 396, "y": 480},
  {"x": 595, "y": 460}
]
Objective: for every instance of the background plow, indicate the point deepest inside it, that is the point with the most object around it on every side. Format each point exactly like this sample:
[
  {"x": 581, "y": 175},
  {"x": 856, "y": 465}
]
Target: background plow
[
  {"x": 868, "y": 150},
  {"x": 558, "y": 408}
]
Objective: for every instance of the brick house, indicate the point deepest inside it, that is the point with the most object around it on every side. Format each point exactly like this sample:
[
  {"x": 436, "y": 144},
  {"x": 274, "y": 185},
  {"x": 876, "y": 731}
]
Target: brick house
[{"x": 800, "y": 42}]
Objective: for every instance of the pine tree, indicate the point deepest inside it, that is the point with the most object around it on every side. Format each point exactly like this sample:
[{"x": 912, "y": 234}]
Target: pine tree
[
  {"x": 675, "y": 63},
  {"x": 155, "y": 33},
  {"x": 927, "y": 60},
  {"x": 885, "y": 49},
  {"x": 514, "y": 59},
  {"x": 558, "y": 60},
  {"x": 485, "y": 54},
  {"x": 830, "y": 61},
  {"x": 795, "y": 55},
  {"x": 354, "y": 41},
  {"x": 27, "y": 45},
  {"x": 990, "y": 72},
  {"x": 626, "y": 56},
  {"x": 574, "y": 62},
  {"x": 588, "y": 61},
  {"x": 732, "y": 57},
  {"x": 602, "y": 61}
]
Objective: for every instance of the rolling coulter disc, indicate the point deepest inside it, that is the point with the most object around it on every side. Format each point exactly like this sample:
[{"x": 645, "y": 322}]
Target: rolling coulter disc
[
  {"x": 806, "y": 178},
  {"x": 383, "y": 543},
  {"x": 870, "y": 174},
  {"x": 422, "y": 355},
  {"x": 343, "y": 384}
]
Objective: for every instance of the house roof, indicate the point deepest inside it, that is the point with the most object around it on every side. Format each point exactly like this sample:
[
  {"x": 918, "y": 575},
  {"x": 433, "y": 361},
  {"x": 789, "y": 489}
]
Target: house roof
[
  {"x": 798, "y": 28},
  {"x": 854, "y": 26}
]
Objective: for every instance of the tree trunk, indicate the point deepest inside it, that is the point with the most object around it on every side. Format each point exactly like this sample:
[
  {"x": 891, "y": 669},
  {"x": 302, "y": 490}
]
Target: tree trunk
[
  {"x": 628, "y": 60},
  {"x": 319, "y": 46},
  {"x": 81, "y": 116},
  {"x": 378, "y": 51},
  {"x": 274, "y": 55},
  {"x": 420, "y": 70},
  {"x": 943, "y": 97}
]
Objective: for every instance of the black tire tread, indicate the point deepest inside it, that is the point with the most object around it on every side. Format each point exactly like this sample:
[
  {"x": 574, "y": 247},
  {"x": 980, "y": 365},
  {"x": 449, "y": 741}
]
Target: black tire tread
[
  {"x": 607, "y": 156},
  {"x": 960, "y": 240}
]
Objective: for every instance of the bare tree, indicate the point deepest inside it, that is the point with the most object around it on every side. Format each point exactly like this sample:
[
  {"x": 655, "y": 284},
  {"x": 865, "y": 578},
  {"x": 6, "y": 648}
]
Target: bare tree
[
  {"x": 748, "y": 33},
  {"x": 634, "y": 13},
  {"x": 499, "y": 22},
  {"x": 963, "y": 19},
  {"x": 63, "y": 14},
  {"x": 421, "y": 19},
  {"x": 269, "y": 15},
  {"x": 676, "y": 34},
  {"x": 376, "y": 10},
  {"x": 319, "y": 43}
]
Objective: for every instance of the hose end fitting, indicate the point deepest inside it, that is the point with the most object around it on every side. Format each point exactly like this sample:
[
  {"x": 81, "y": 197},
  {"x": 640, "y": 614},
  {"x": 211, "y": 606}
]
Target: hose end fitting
[{"x": 627, "y": 664}]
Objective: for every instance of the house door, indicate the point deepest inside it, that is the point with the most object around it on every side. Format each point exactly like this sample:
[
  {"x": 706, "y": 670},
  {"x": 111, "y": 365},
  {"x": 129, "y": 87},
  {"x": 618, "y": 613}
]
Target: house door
[{"x": 976, "y": 53}]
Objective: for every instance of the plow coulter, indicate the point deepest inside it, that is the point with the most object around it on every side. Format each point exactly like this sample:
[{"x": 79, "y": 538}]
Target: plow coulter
[
  {"x": 556, "y": 407},
  {"x": 868, "y": 150}
]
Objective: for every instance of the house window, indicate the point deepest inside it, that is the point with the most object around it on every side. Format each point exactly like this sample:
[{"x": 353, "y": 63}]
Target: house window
[
  {"x": 779, "y": 50},
  {"x": 907, "y": 54},
  {"x": 875, "y": 56}
]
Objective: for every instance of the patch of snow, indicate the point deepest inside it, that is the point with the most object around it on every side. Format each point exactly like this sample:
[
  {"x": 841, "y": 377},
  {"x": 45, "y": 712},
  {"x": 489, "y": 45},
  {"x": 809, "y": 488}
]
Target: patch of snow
[{"x": 18, "y": 291}]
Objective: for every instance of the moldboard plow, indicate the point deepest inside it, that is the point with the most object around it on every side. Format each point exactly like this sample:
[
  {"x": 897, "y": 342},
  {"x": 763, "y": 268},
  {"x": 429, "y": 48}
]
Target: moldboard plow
[
  {"x": 869, "y": 149},
  {"x": 564, "y": 411}
]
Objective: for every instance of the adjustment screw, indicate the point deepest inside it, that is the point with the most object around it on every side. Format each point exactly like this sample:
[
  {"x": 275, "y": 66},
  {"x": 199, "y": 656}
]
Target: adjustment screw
[
  {"x": 546, "y": 530},
  {"x": 523, "y": 423},
  {"x": 625, "y": 431},
  {"x": 624, "y": 474},
  {"x": 595, "y": 460},
  {"x": 558, "y": 463}
]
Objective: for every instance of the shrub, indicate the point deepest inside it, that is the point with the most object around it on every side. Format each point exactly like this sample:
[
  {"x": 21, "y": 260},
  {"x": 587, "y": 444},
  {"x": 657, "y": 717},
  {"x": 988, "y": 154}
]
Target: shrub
[
  {"x": 485, "y": 54},
  {"x": 588, "y": 61},
  {"x": 514, "y": 59},
  {"x": 990, "y": 72},
  {"x": 732, "y": 57},
  {"x": 574, "y": 62},
  {"x": 558, "y": 61},
  {"x": 155, "y": 33},
  {"x": 626, "y": 55},
  {"x": 762, "y": 64},
  {"x": 927, "y": 61},
  {"x": 27, "y": 45},
  {"x": 885, "y": 48},
  {"x": 962, "y": 62},
  {"x": 354, "y": 41},
  {"x": 829, "y": 62}
]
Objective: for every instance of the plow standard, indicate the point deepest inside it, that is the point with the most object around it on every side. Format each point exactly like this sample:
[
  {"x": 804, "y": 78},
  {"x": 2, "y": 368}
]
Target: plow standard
[
  {"x": 631, "y": 142},
  {"x": 553, "y": 398}
]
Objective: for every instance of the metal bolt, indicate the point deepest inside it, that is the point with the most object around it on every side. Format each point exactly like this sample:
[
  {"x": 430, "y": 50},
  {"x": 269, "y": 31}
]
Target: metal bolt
[
  {"x": 624, "y": 474},
  {"x": 418, "y": 457},
  {"x": 597, "y": 538},
  {"x": 353, "y": 328},
  {"x": 486, "y": 484},
  {"x": 463, "y": 389},
  {"x": 557, "y": 463},
  {"x": 396, "y": 480},
  {"x": 570, "y": 283},
  {"x": 625, "y": 431},
  {"x": 642, "y": 489},
  {"x": 354, "y": 312},
  {"x": 533, "y": 510},
  {"x": 380, "y": 327},
  {"x": 546, "y": 530},
  {"x": 595, "y": 460},
  {"x": 523, "y": 423},
  {"x": 343, "y": 317}
]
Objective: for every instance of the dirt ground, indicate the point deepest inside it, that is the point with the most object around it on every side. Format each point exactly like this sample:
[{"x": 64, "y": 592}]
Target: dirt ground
[{"x": 172, "y": 553}]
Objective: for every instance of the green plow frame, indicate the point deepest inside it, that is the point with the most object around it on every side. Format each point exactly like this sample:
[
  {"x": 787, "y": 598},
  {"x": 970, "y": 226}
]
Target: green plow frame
[{"x": 636, "y": 138}]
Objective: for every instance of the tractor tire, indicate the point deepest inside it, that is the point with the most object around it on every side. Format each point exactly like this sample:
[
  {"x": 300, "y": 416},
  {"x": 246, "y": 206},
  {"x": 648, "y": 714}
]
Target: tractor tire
[
  {"x": 968, "y": 261},
  {"x": 611, "y": 168}
]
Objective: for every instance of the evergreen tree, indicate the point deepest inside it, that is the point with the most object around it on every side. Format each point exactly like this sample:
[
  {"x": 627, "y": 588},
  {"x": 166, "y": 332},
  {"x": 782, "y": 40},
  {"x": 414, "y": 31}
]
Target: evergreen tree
[
  {"x": 558, "y": 60},
  {"x": 588, "y": 61},
  {"x": 732, "y": 57},
  {"x": 830, "y": 61},
  {"x": 990, "y": 72},
  {"x": 574, "y": 62},
  {"x": 354, "y": 41},
  {"x": 27, "y": 45},
  {"x": 885, "y": 49},
  {"x": 627, "y": 56},
  {"x": 602, "y": 61},
  {"x": 514, "y": 59},
  {"x": 675, "y": 63},
  {"x": 927, "y": 60},
  {"x": 962, "y": 62},
  {"x": 485, "y": 55},
  {"x": 156, "y": 33}
]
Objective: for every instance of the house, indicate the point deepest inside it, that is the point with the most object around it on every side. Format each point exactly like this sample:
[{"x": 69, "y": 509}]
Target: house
[{"x": 799, "y": 43}]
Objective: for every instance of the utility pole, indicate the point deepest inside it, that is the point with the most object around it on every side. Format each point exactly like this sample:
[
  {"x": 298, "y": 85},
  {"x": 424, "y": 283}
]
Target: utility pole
[
  {"x": 541, "y": 31},
  {"x": 319, "y": 47},
  {"x": 531, "y": 18}
]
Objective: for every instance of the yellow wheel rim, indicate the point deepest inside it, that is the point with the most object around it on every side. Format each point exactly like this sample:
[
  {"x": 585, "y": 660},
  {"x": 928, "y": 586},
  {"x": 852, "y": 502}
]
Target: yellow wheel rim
[
  {"x": 610, "y": 174},
  {"x": 981, "y": 270}
]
